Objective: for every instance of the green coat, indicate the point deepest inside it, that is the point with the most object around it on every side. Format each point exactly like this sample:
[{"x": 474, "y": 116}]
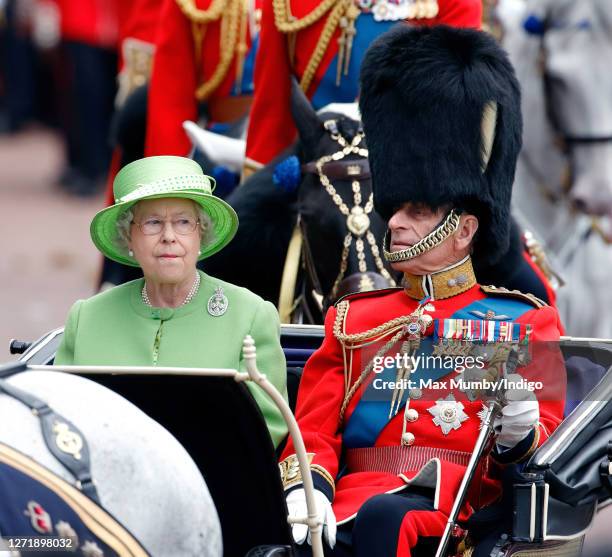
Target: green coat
[{"x": 117, "y": 328}]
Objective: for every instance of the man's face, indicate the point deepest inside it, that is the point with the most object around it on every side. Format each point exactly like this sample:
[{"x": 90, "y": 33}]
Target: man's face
[{"x": 412, "y": 222}]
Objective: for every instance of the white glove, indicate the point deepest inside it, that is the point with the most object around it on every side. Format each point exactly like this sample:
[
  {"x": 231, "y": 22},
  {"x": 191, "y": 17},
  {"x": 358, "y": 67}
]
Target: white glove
[
  {"x": 296, "y": 505},
  {"x": 519, "y": 416}
]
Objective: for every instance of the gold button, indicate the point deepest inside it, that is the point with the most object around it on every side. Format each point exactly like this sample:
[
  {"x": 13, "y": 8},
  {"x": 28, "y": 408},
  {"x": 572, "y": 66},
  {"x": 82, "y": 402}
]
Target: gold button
[
  {"x": 407, "y": 438},
  {"x": 412, "y": 415}
]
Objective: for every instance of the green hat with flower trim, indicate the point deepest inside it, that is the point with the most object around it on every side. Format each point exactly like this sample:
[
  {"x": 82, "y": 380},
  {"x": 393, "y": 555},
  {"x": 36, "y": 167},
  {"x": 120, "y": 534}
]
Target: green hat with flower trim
[{"x": 155, "y": 178}]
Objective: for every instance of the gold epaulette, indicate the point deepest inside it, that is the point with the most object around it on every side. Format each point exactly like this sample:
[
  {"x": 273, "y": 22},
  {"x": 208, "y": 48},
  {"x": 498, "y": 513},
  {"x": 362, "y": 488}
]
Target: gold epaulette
[
  {"x": 517, "y": 294},
  {"x": 367, "y": 294}
]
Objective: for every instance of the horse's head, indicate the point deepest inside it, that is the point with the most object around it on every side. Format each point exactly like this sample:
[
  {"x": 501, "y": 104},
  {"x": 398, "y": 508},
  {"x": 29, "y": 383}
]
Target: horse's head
[
  {"x": 576, "y": 44},
  {"x": 341, "y": 230}
]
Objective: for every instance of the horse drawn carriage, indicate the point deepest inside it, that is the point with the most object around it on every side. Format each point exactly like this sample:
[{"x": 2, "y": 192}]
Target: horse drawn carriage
[
  {"x": 547, "y": 504},
  {"x": 547, "y": 507}
]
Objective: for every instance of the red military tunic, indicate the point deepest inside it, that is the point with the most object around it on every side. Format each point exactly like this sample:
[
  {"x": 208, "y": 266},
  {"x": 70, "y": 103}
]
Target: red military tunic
[
  {"x": 271, "y": 127},
  {"x": 94, "y": 22},
  {"x": 139, "y": 20},
  {"x": 190, "y": 55},
  {"x": 386, "y": 455}
]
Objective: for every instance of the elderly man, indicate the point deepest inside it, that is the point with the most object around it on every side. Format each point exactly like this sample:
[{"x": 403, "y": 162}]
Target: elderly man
[{"x": 441, "y": 111}]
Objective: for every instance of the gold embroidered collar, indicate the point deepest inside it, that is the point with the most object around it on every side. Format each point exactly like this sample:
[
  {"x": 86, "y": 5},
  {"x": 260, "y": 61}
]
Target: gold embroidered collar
[{"x": 446, "y": 283}]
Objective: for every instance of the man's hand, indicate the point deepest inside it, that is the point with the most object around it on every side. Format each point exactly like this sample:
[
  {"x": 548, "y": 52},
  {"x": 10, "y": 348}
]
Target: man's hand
[
  {"x": 296, "y": 505},
  {"x": 519, "y": 416}
]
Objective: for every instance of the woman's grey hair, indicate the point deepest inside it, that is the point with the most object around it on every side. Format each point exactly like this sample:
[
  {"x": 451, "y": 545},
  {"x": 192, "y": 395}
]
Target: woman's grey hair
[{"x": 125, "y": 219}]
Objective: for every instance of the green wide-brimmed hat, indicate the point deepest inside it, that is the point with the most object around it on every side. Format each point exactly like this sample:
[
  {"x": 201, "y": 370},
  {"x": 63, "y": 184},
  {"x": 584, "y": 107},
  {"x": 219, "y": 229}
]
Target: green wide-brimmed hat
[{"x": 154, "y": 178}]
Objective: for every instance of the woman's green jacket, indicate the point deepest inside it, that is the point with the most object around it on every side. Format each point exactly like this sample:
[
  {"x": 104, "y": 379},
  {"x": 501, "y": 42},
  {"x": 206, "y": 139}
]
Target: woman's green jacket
[{"x": 117, "y": 328}]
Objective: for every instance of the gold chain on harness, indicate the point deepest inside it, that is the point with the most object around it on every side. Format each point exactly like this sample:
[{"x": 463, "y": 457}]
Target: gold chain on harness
[{"x": 357, "y": 220}]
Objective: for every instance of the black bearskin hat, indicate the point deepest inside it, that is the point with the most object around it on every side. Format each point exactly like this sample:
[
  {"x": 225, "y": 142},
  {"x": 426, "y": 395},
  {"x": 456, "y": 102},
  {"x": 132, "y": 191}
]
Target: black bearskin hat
[{"x": 441, "y": 113}]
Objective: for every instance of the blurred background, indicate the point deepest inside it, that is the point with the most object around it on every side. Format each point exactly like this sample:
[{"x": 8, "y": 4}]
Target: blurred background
[
  {"x": 68, "y": 66},
  {"x": 57, "y": 88}
]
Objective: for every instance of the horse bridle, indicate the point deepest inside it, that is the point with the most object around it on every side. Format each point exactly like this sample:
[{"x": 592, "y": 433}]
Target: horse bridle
[{"x": 357, "y": 220}]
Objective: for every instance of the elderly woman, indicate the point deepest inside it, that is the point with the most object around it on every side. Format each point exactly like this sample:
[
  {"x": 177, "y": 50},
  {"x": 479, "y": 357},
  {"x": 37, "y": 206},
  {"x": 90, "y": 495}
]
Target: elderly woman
[{"x": 165, "y": 219}]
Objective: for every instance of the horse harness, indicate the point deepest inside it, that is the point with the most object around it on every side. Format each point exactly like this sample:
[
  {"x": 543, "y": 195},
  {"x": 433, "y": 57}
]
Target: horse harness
[
  {"x": 357, "y": 217},
  {"x": 63, "y": 439}
]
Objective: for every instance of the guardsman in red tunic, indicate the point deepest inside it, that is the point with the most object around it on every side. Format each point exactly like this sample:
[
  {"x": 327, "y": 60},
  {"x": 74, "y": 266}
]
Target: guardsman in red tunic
[
  {"x": 205, "y": 53},
  {"x": 390, "y": 405},
  {"x": 321, "y": 43},
  {"x": 89, "y": 32}
]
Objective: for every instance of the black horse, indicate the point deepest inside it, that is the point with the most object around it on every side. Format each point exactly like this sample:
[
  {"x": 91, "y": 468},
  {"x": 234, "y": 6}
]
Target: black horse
[{"x": 320, "y": 189}]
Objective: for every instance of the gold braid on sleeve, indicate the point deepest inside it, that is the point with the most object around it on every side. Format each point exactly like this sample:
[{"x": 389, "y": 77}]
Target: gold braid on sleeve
[{"x": 292, "y": 475}]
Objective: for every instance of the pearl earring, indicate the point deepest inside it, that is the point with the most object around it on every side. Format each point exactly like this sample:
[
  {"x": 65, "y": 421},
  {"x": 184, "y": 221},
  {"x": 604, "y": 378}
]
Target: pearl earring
[
  {"x": 131, "y": 253},
  {"x": 199, "y": 252}
]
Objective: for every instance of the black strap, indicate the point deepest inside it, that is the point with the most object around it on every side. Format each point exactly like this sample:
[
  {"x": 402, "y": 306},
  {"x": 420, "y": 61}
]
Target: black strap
[
  {"x": 63, "y": 439},
  {"x": 7, "y": 370},
  {"x": 588, "y": 139},
  {"x": 605, "y": 470},
  {"x": 309, "y": 261}
]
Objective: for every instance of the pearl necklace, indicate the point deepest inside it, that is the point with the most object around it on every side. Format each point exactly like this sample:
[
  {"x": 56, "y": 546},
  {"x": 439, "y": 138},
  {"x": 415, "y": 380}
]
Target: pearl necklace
[{"x": 192, "y": 292}]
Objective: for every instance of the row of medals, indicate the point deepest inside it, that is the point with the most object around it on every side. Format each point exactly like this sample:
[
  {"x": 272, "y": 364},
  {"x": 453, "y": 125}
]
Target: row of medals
[{"x": 394, "y": 10}]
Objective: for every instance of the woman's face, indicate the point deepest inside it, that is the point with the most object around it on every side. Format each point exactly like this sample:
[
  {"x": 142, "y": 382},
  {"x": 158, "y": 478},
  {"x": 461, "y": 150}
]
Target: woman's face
[{"x": 165, "y": 238}]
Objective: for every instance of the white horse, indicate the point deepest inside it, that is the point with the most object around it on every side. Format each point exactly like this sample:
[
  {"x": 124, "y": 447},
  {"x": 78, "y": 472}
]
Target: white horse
[
  {"x": 144, "y": 477},
  {"x": 563, "y": 187}
]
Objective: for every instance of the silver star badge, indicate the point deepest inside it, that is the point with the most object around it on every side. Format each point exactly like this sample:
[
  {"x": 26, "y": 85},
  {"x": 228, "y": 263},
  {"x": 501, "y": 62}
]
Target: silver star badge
[
  {"x": 448, "y": 414},
  {"x": 217, "y": 303}
]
